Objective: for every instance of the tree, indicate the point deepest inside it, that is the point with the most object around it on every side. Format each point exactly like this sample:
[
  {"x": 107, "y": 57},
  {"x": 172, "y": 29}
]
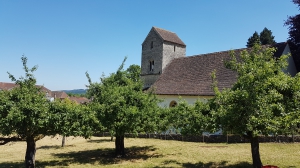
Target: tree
[
  {"x": 27, "y": 115},
  {"x": 133, "y": 72},
  {"x": 71, "y": 119},
  {"x": 254, "y": 39},
  {"x": 292, "y": 103},
  {"x": 266, "y": 37},
  {"x": 121, "y": 105},
  {"x": 263, "y": 101},
  {"x": 25, "y": 112},
  {"x": 293, "y": 23}
]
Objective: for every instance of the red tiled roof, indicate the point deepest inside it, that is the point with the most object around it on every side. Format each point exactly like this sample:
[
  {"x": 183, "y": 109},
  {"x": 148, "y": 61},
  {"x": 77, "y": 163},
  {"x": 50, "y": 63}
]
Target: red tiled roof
[
  {"x": 80, "y": 100},
  {"x": 59, "y": 94},
  {"x": 192, "y": 75},
  {"x": 6, "y": 86},
  {"x": 169, "y": 36},
  {"x": 46, "y": 90}
]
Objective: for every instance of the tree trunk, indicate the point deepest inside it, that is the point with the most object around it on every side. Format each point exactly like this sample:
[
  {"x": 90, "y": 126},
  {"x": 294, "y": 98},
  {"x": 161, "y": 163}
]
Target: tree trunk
[
  {"x": 293, "y": 138},
  {"x": 30, "y": 153},
  {"x": 119, "y": 144},
  {"x": 255, "y": 152},
  {"x": 63, "y": 141},
  {"x": 111, "y": 135}
]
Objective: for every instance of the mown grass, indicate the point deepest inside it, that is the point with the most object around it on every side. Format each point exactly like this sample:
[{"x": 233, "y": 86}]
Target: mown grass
[{"x": 99, "y": 152}]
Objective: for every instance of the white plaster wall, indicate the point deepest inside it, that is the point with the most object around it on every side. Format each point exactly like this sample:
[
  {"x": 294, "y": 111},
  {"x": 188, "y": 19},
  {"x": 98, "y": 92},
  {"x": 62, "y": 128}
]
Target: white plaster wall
[{"x": 291, "y": 69}]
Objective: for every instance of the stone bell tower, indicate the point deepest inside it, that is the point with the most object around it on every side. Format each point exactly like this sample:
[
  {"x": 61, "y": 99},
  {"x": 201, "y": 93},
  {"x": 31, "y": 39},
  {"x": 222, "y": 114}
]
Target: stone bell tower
[{"x": 158, "y": 49}]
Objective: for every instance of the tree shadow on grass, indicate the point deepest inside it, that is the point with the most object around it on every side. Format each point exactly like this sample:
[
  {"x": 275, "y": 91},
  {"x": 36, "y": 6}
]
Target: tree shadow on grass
[
  {"x": 53, "y": 147},
  {"x": 169, "y": 164},
  {"x": 12, "y": 164},
  {"x": 39, "y": 164},
  {"x": 97, "y": 157},
  {"x": 204, "y": 165},
  {"x": 107, "y": 155},
  {"x": 222, "y": 164},
  {"x": 99, "y": 140},
  {"x": 49, "y": 147}
]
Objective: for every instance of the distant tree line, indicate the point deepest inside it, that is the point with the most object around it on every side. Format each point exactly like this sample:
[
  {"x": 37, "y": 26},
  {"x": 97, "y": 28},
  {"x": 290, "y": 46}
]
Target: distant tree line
[{"x": 77, "y": 94}]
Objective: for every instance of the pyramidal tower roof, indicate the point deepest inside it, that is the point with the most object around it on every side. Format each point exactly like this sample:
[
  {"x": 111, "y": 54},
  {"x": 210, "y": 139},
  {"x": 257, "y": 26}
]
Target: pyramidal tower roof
[{"x": 168, "y": 36}]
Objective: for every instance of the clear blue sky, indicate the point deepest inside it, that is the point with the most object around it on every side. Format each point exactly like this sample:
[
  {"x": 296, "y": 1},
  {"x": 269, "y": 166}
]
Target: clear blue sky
[{"x": 66, "y": 38}]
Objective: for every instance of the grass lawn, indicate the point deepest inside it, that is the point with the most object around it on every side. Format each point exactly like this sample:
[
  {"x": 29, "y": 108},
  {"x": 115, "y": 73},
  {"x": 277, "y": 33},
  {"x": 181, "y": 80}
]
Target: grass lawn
[{"x": 99, "y": 152}]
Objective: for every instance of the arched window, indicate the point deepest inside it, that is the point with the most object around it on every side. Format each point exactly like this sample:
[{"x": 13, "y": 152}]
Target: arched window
[
  {"x": 151, "y": 44},
  {"x": 173, "y": 103}
]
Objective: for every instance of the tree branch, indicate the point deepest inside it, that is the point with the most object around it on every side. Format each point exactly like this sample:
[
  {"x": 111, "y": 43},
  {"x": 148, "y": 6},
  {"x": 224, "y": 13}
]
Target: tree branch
[{"x": 5, "y": 140}]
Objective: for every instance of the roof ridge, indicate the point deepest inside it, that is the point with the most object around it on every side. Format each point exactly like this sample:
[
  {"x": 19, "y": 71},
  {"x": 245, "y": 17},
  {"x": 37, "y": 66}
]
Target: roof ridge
[
  {"x": 218, "y": 52},
  {"x": 163, "y": 29},
  {"x": 167, "y": 35},
  {"x": 238, "y": 49}
]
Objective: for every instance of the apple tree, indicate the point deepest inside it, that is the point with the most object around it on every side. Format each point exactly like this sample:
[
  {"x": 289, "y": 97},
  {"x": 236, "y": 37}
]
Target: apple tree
[{"x": 263, "y": 101}]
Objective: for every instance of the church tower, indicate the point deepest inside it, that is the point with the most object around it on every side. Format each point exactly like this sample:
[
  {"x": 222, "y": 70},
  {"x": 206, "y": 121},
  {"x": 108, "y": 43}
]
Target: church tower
[{"x": 158, "y": 49}]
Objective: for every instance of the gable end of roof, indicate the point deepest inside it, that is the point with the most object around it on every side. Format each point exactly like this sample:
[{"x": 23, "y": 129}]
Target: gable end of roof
[{"x": 166, "y": 35}]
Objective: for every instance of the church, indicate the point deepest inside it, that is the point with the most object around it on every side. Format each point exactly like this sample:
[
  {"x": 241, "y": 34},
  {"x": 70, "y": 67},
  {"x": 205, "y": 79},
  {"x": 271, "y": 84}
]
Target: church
[{"x": 174, "y": 76}]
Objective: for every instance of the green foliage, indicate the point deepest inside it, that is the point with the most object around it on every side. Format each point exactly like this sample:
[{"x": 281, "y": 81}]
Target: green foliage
[
  {"x": 120, "y": 103},
  {"x": 24, "y": 110},
  {"x": 133, "y": 72},
  {"x": 77, "y": 94},
  {"x": 254, "y": 39},
  {"x": 266, "y": 37},
  {"x": 189, "y": 119},
  {"x": 71, "y": 119},
  {"x": 264, "y": 99},
  {"x": 292, "y": 105}
]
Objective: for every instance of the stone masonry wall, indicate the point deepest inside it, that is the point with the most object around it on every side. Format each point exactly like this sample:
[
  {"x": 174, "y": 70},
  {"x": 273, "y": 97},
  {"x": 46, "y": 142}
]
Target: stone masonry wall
[
  {"x": 149, "y": 79},
  {"x": 162, "y": 53},
  {"x": 151, "y": 54},
  {"x": 169, "y": 54}
]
